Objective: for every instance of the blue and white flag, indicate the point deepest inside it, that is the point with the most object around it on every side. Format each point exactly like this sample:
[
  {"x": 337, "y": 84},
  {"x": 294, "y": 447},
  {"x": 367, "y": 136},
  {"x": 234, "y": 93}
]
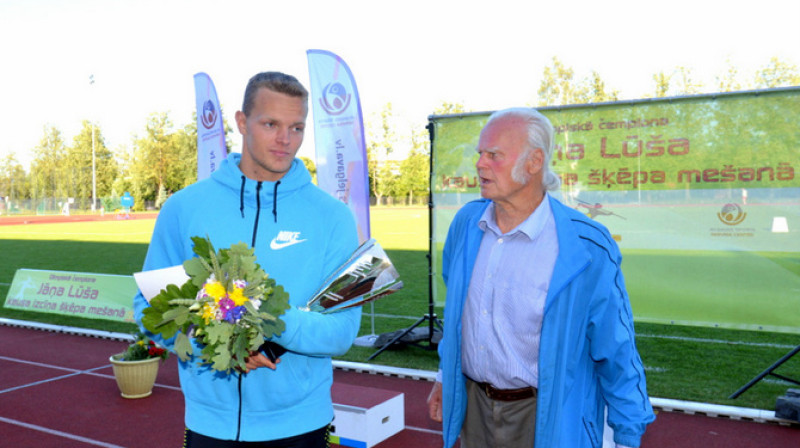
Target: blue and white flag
[
  {"x": 211, "y": 150},
  {"x": 339, "y": 135}
]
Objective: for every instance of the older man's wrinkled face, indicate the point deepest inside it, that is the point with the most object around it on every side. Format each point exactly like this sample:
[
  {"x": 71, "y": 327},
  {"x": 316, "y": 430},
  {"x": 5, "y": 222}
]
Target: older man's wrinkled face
[{"x": 501, "y": 144}]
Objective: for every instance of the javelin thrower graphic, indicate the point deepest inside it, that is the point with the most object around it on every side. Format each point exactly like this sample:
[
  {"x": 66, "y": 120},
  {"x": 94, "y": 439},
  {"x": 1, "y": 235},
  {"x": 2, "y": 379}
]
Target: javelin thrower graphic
[{"x": 596, "y": 209}]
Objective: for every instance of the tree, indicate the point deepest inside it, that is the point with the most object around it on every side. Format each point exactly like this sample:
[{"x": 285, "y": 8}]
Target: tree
[
  {"x": 686, "y": 84},
  {"x": 185, "y": 141},
  {"x": 559, "y": 87},
  {"x": 48, "y": 171},
  {"x": 448, "y": 108},
  {"x": 777, "y": 74},
  {"x": 14, "y": 183},
  {"x": 311, "y": 167},
  {"x": 156, "y": 162},
  {"x": 729, "y": 80},
  {"x": 414, "y": 179},
  {"x": 124, "y": 180},
  {"x": 679, "y": 82},
  {"x": 79, "y": 163},
  {"x": 380, "y": 147},
  {"x": 597, "y": 90},
  {"x": 662, "y": 81}
]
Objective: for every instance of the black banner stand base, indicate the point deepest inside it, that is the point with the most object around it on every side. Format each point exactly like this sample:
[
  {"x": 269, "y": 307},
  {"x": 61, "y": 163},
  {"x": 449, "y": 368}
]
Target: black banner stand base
[
  {"x": 769, "y": 371},
  {"x": 434, "y": 335}
]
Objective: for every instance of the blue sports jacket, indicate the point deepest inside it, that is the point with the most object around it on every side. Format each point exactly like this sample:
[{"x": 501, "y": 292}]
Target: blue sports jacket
[
  {"x": 587, "y": 357},
  {"x": 300, "y": 234}
]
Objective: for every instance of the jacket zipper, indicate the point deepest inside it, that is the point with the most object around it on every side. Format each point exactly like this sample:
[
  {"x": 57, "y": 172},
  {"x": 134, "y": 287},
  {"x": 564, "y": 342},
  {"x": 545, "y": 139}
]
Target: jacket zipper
[
  {"x": 239, "y": 425},
  {"x": 253, "y": 245}
]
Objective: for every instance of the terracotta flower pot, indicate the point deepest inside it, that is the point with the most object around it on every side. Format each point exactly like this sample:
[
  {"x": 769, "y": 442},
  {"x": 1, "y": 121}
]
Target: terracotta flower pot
[{"x": 135, "y": 378}]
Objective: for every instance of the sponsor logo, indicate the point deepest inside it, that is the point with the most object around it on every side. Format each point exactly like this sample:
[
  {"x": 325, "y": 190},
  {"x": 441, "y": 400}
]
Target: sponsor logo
[
  {"x": 731, "y": 214},
  {"x": 335, "y": 98},
  {"x": 209, "y": 115},
  {"x": 285, "y": 238}
]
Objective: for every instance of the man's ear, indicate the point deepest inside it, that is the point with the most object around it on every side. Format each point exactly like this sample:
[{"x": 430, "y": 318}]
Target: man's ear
[
  {"x": 536, "y": 162},
  {"x": 241, "y": 122}
]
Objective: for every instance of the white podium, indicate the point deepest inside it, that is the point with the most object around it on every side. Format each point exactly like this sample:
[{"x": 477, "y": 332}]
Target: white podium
[{"x": 365, "y": 416}]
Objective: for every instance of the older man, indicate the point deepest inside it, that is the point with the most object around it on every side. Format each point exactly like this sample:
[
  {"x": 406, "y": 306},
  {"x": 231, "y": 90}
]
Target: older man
[{"x": 539, "y": 336}]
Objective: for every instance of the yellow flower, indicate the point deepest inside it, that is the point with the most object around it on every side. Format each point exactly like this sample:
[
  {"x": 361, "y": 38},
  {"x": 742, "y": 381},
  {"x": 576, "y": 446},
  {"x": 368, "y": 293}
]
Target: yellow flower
[
  {"x": 215, "y": 290},
  {"x": 209, "y": 312},
  {"x": 237, "y": 296}
]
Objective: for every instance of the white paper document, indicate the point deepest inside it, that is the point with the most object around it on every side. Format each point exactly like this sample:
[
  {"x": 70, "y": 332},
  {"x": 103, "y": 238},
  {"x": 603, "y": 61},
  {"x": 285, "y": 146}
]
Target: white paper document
[{"x": 152, "y": 282}]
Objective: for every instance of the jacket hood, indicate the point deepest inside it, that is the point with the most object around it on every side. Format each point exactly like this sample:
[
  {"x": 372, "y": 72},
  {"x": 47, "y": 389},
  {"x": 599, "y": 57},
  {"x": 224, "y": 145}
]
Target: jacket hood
[
  {"x": 260, "y": 194},
  {"x": 231, "y": 176}
]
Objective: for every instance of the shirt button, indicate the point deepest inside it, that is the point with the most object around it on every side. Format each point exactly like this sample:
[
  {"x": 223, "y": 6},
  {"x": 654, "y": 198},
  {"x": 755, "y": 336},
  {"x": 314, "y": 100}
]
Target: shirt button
[{"x": 500, "y": 241}]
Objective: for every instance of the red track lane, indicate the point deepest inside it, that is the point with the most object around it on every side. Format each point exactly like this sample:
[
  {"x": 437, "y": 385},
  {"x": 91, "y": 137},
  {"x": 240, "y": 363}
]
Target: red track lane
[
  {"x": 57, "y": 390},
  {"x": 7, "y": 220}
]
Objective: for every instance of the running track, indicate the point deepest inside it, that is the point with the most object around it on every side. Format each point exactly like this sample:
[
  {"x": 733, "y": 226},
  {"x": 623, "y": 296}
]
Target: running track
[{"x": 58, "y": 390}]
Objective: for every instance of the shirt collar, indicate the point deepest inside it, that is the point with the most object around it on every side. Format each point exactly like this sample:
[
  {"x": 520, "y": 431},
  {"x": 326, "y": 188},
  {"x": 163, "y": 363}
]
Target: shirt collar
[{"x": 531, "y": 227}]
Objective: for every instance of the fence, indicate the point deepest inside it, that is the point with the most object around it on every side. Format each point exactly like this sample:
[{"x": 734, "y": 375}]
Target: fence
[
  {"x": 61, "y": 206},
  {"x": 398, "y": 201}
]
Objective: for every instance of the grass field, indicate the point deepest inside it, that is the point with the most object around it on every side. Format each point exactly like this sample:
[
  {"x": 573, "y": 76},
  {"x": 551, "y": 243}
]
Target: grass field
[{"x": 697, "y": 363}]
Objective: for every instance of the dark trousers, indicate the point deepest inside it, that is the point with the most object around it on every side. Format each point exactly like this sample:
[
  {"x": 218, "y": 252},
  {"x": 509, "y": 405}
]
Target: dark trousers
[{"x": 313, "y": 439}]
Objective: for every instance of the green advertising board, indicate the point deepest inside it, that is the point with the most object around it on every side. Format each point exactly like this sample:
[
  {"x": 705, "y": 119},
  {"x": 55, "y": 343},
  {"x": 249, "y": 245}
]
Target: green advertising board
[
  {"x": 701, "y": 194},
  {"x": 94, "y": 296}
]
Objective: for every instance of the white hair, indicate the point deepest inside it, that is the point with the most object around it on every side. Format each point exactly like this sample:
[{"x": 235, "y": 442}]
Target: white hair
[{"x": 540, "y": 136}]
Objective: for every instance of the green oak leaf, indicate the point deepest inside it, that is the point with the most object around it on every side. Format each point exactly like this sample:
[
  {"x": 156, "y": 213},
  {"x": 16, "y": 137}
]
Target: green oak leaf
[
  {"x": 179, "y": 315},
  {"x": 202, "y": 246},
  {"x": 221, "y": 359},
  {"x": 198, "y": 272},
  {"x": 219, "y": 332},
  {"x": 183, "y": 347}
]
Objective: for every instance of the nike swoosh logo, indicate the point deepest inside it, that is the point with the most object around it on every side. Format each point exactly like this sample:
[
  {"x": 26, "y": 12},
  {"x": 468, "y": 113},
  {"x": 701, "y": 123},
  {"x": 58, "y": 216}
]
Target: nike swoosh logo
[{"x": 274, "y": 245}]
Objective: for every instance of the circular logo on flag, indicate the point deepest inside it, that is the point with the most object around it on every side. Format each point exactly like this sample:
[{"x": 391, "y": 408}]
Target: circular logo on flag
[
  {"x": 731, "y": 214},
  {"x": 209, "y": 115},
  {"x": 335, "y": 98}
]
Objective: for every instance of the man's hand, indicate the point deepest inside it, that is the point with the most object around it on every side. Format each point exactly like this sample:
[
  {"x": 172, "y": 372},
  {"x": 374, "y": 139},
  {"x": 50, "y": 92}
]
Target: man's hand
[
  {"x": 435, "y": 402},
  {"x": 257, "y": 359}
]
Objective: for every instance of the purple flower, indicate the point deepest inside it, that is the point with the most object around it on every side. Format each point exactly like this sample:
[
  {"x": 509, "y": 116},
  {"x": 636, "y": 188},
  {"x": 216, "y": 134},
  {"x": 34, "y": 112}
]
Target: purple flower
[
  {"x": 234, "y": 314},
  {"x": 225, "y": 305}
]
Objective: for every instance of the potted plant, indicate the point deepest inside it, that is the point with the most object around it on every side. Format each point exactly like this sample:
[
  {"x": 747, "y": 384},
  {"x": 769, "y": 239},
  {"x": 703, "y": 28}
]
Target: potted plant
[{"x": 136, "y": 368}]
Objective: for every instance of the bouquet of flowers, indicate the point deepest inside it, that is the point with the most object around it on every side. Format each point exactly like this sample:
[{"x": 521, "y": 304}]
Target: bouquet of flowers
[
  {"x": 229, "y": 305},
  {"x": 143, "y": 348}
]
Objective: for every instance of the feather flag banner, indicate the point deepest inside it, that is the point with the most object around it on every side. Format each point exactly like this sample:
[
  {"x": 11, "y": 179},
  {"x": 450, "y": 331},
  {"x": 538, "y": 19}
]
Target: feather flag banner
[
  {"x": 339, "y": 135},
  {"x": 211, "y": 150}
]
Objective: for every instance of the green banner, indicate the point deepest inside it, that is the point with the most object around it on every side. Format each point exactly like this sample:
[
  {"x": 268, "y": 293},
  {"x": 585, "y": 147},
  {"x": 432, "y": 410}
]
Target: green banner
[
  {"x": 95, "y": 296},
  {"x": 700, "y": 192}
]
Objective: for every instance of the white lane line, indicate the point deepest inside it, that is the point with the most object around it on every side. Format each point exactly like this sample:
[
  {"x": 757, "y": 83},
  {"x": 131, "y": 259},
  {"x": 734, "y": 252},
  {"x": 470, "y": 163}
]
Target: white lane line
[
  {"x": 429, "y": 431},
  {"x": 59, "y": 433},
  {"x": 73, "y": 372},
  {"x": 715, "y": 341}
]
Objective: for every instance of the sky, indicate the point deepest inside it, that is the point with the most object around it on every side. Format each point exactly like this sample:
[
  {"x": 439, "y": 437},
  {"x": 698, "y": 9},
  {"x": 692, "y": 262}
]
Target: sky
[{"x": 413, "y": 54}]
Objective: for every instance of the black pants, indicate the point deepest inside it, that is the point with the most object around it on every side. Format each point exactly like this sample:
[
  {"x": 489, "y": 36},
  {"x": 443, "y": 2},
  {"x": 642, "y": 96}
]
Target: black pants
[{"x": 313, "y": 439}]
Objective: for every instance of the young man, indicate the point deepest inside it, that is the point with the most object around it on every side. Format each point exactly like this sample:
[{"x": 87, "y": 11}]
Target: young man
[
  {"x": 538, "y": 336},
  {"x": 264, "y": 197}
]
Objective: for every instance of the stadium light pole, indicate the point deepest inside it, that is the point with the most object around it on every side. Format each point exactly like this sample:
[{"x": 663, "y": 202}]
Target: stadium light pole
[{"x": 94, "y": 169}]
